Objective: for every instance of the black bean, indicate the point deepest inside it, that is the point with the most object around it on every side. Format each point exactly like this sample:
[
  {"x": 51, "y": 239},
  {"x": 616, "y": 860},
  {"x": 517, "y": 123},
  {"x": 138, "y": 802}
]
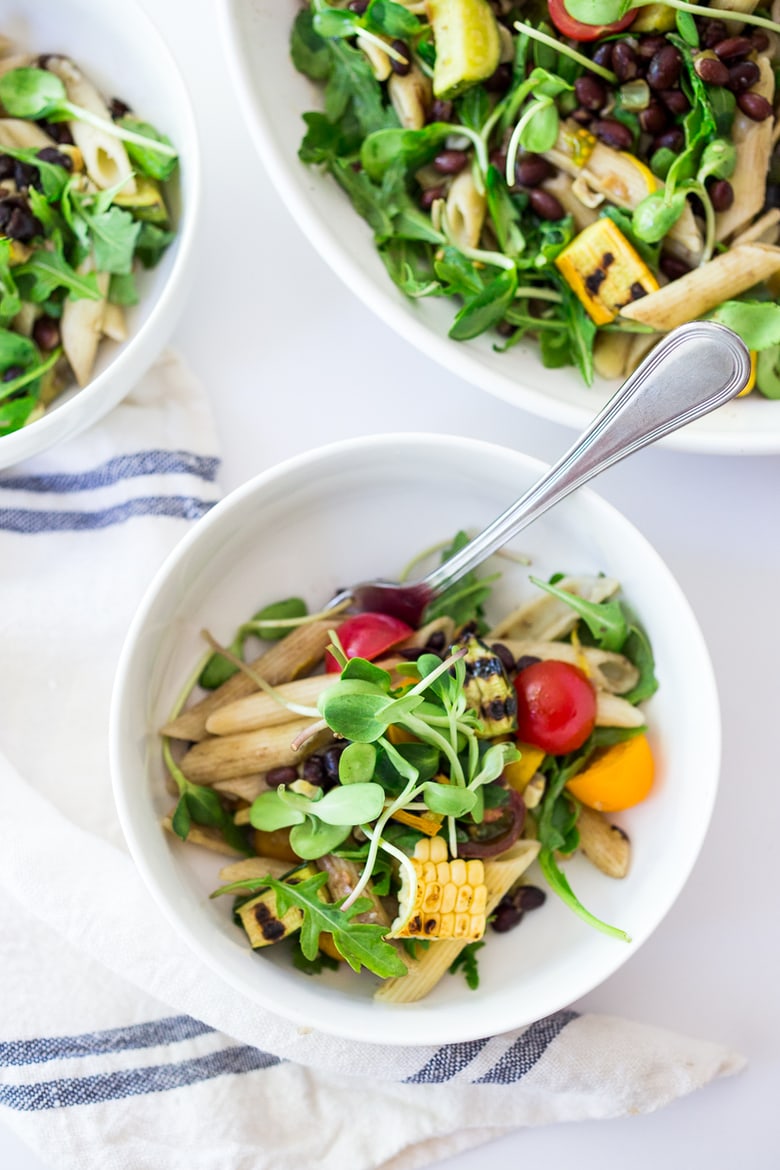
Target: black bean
[
  {"x": 675, "y": 100},
  {"x": 530, "y": 897},
  {"x": 712, "y": 32},
  {"x": 582, "y": 116},
  {"x": 526, "y": 660},
  {"x": 500, "y": 81},
  {"x": 759, "y": 41},
  {"x": 653, "y": 119},
  {"x": 118, "y": 109},
  {"x": 649, "y": 46},
  {"x": 545, "y": 204},
  {"x": 671, "y": 139},
  {"x": 429, "y": 196},
  {"x": 733, "y": 47},
  {"x": 441, "y": 111},
  {"x": 21, "y": 224},
  {"x": 590, "y": 92},
  {"x": 506, "y": 329},
  {"x": 506, "y": 915},
  {"x": 314, "y": 770},
  {"x": 358, "y": 6},
  {"x": 450, "y": 162},
  {"x": 12, "y": 373},
  {"x": 603, "y": 54},
  {"x": 613, "y": 133},
  {"x": 410, "y": 653},
  {"x": 664, "y": 69},
  {"x": 505, "y": 654},
  {"x": 498, "y": 160},
  {"x": 401, "y": 67},
  {"x": 25, "y": 176},
  {"x": 7, "y": 165},
  {"x": 772, "y": 195},
  {"x": 710, "y": 69},
  {"x": 531, "y": 170},
  {"x": 436, "y": 642},
  {"x": 281, "y": 775},
  {"x": 50, "y": 154},
  {"x": 58, "y": 131},
  {"x": 743, "y": 76},
  {"x": 721, "y": 194},
  {"x": 673, "y": 267},
  {"x": 624, "y": 61},
  {"x": 46, "y": 333},
  {"x": 330, "y": 761},
  {"x": 754, "y": 105}
]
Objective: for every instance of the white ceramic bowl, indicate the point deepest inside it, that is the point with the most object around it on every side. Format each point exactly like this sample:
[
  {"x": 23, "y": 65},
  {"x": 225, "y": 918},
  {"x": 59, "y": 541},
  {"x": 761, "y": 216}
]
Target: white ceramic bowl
[
  {"x": 272, "y": 97},
  {"x": 119, "y": 48},
  {"x": 361, "y": 509}
]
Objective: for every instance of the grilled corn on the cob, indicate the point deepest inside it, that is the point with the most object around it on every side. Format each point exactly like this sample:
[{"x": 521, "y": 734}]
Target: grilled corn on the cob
[
  {"x": 604, "y": 271},
  {"x": 450, "y": 900}
]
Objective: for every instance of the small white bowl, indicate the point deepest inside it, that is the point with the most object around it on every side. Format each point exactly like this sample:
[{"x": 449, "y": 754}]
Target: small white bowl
[
  {"x": 362, "y": 509},
  {"x": 273, "y": 97},
  {"x": 119, "y": 48}
]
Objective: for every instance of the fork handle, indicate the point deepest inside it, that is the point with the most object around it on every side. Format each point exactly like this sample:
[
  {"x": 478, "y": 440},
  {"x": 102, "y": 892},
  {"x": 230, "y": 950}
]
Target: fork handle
[{"x": 693, "y": 370}]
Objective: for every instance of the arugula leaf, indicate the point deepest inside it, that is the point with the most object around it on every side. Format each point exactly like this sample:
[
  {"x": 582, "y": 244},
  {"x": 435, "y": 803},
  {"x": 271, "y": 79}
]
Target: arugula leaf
[
  {"x": 606, "y": 620},
  {"x": 53, "y": 176},
  {"x": 361, "y": 943},
  {"x": 309, "y": 51},
  {"x": 366, "y": 198},
  {"x": 14, "y": 414},
  {"x": 145, "y": 159},
  {"x": 487, "y": 308},
  {"x": 46, "y": 271},
  {"x": 114, "y": 235},
  {"x": 314, "y": 966},
  {"x": 151, "y": 243},
  {"x": 463, "y": 601},
  {"x": 351, "y": 83},
  {"x": 467, "y": 963},
  {"x": 123, "y": 290}
]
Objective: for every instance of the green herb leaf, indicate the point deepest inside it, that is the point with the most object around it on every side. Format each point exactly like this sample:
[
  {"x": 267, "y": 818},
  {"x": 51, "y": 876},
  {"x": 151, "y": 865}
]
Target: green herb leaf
[
  {"x": 467, "y": 962},
  {"x": 768, "y": 372},
  {"x": 46, "y": 271},
  {"x": 391, "y": 20},
  {"x": 269, "y": 812},
  {"x": 559, "y": 884},
  {"x": 309, "y": 51},
  {"x": 448, "y": 800},
  {"x": 357, "y": 763},
  {"x": 290, "y": 607},
  {"x": 314, "y": 838},
  {"x": 152, "y": 243},
  {"x": 355, "y": 804},
  {"x": 605, "y": 619},
  {"x": 756, "y": 322},
  {"x": 31, "y": 93},
  {"x": 487, "y": 308},
  {"x": 361, "y": 943},
  {"x": 145, "y": 159}
]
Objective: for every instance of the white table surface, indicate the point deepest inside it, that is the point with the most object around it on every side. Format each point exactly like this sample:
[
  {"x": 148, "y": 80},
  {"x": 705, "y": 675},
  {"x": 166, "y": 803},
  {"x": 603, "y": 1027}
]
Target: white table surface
[{"x": 285, "y": 350}]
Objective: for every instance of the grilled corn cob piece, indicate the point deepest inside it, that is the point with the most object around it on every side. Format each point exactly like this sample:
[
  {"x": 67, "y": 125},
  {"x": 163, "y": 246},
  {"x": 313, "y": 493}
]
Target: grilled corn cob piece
[
  {"x": 604, "y": 271},
  {"x": 488, "y": 690},
  {"x": 450, "y": 900}
]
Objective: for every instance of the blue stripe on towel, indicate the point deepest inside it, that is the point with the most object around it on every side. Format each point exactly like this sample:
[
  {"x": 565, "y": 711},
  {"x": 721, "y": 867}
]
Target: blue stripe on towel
[
  {"x": 170, "y": 1030},
  {"x": 529, "y": 1048},
  {"x": 121, "y": 467},
  {"x": 447, "y": 1062},
  {"x": 27, "y": 521},
  {"x": 66, "y": 1092}
]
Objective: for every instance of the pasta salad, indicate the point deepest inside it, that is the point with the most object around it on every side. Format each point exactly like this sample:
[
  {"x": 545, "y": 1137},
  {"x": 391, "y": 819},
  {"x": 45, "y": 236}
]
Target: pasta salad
[
  {"x": 83, "y": 209},
  {"x": 586, "y": 173},
  {"x": 382, "y": 791}
]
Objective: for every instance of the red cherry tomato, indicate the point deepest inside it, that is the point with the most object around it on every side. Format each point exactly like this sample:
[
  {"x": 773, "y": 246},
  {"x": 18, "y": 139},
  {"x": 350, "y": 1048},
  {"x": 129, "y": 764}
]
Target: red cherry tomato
[
  {"x": 367, "y": 635},
  {"x": 556, "y": 706},
  {"x": 577, "y": 30}
]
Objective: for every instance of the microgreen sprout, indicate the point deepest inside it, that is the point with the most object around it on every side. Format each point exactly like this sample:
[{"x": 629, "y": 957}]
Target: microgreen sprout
[{"x": 33, "y": 94}]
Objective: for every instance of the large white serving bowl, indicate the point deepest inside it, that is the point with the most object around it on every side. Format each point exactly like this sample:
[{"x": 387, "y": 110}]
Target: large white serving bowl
[
  {"x": 119, "y": 48},
  {"x": 361, "y": 509},
  {"x": 273, "y": 97}
]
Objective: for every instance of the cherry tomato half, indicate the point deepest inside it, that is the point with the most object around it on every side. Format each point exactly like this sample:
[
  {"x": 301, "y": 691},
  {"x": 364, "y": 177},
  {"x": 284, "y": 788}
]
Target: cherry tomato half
[
  {"x": 577, "y": 30},
  {"x": 367, "y": 635},
  {"x": 556, "y": 706}
]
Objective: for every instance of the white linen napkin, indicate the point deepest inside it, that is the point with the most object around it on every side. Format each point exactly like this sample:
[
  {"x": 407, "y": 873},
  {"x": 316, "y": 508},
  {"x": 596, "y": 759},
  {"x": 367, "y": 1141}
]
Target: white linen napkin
[{"x": 118, "y": 1048}]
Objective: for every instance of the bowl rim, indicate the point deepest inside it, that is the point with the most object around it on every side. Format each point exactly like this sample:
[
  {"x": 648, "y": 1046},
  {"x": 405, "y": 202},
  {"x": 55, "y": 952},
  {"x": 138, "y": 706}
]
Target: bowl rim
[
  {"x": 355, "y": 1022},
  {"x": 114, "y": 382},
  {"x": 458, "y": 360}
]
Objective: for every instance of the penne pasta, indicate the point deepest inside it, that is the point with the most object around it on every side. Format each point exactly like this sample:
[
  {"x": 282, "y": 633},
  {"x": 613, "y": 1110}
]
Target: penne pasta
[
  {"x": 262, "y": 710},
  {"x": 703, "y": 289},
  {"x": 545, "y": 617},
  {"x": 105, "y": 158},
  {"x": 294, "y": 655},
  {"x": 204, "y": 835},
  {"x": 223, "y": 757},
  {"x": 410, "y": 95},
  {"x": 610, "y": 354},
  {"x": 114, "y": 323},
  {"x": 465, "y": 211},
  {"x": 612, "y": 711},
  {"x": 20, "y": 134},
  {"x": 81, "y": 328}
]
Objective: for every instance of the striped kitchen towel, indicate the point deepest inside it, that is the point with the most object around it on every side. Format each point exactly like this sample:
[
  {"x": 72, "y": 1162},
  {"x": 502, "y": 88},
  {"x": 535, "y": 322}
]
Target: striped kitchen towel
[{"x": 118, "y": 1048}]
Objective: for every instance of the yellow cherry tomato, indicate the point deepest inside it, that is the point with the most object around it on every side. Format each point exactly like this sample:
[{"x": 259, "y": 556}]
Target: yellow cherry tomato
[{"x": 617, "y": 777}]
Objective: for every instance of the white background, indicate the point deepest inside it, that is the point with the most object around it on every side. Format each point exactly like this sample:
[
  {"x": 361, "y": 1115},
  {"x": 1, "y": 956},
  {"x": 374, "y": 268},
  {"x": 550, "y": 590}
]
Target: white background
[{"x": 292, "y": 360}]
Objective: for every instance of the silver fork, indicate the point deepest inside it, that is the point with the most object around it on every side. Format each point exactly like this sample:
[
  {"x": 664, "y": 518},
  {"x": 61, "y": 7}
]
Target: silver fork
[{"x": 695, "y": 369}]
